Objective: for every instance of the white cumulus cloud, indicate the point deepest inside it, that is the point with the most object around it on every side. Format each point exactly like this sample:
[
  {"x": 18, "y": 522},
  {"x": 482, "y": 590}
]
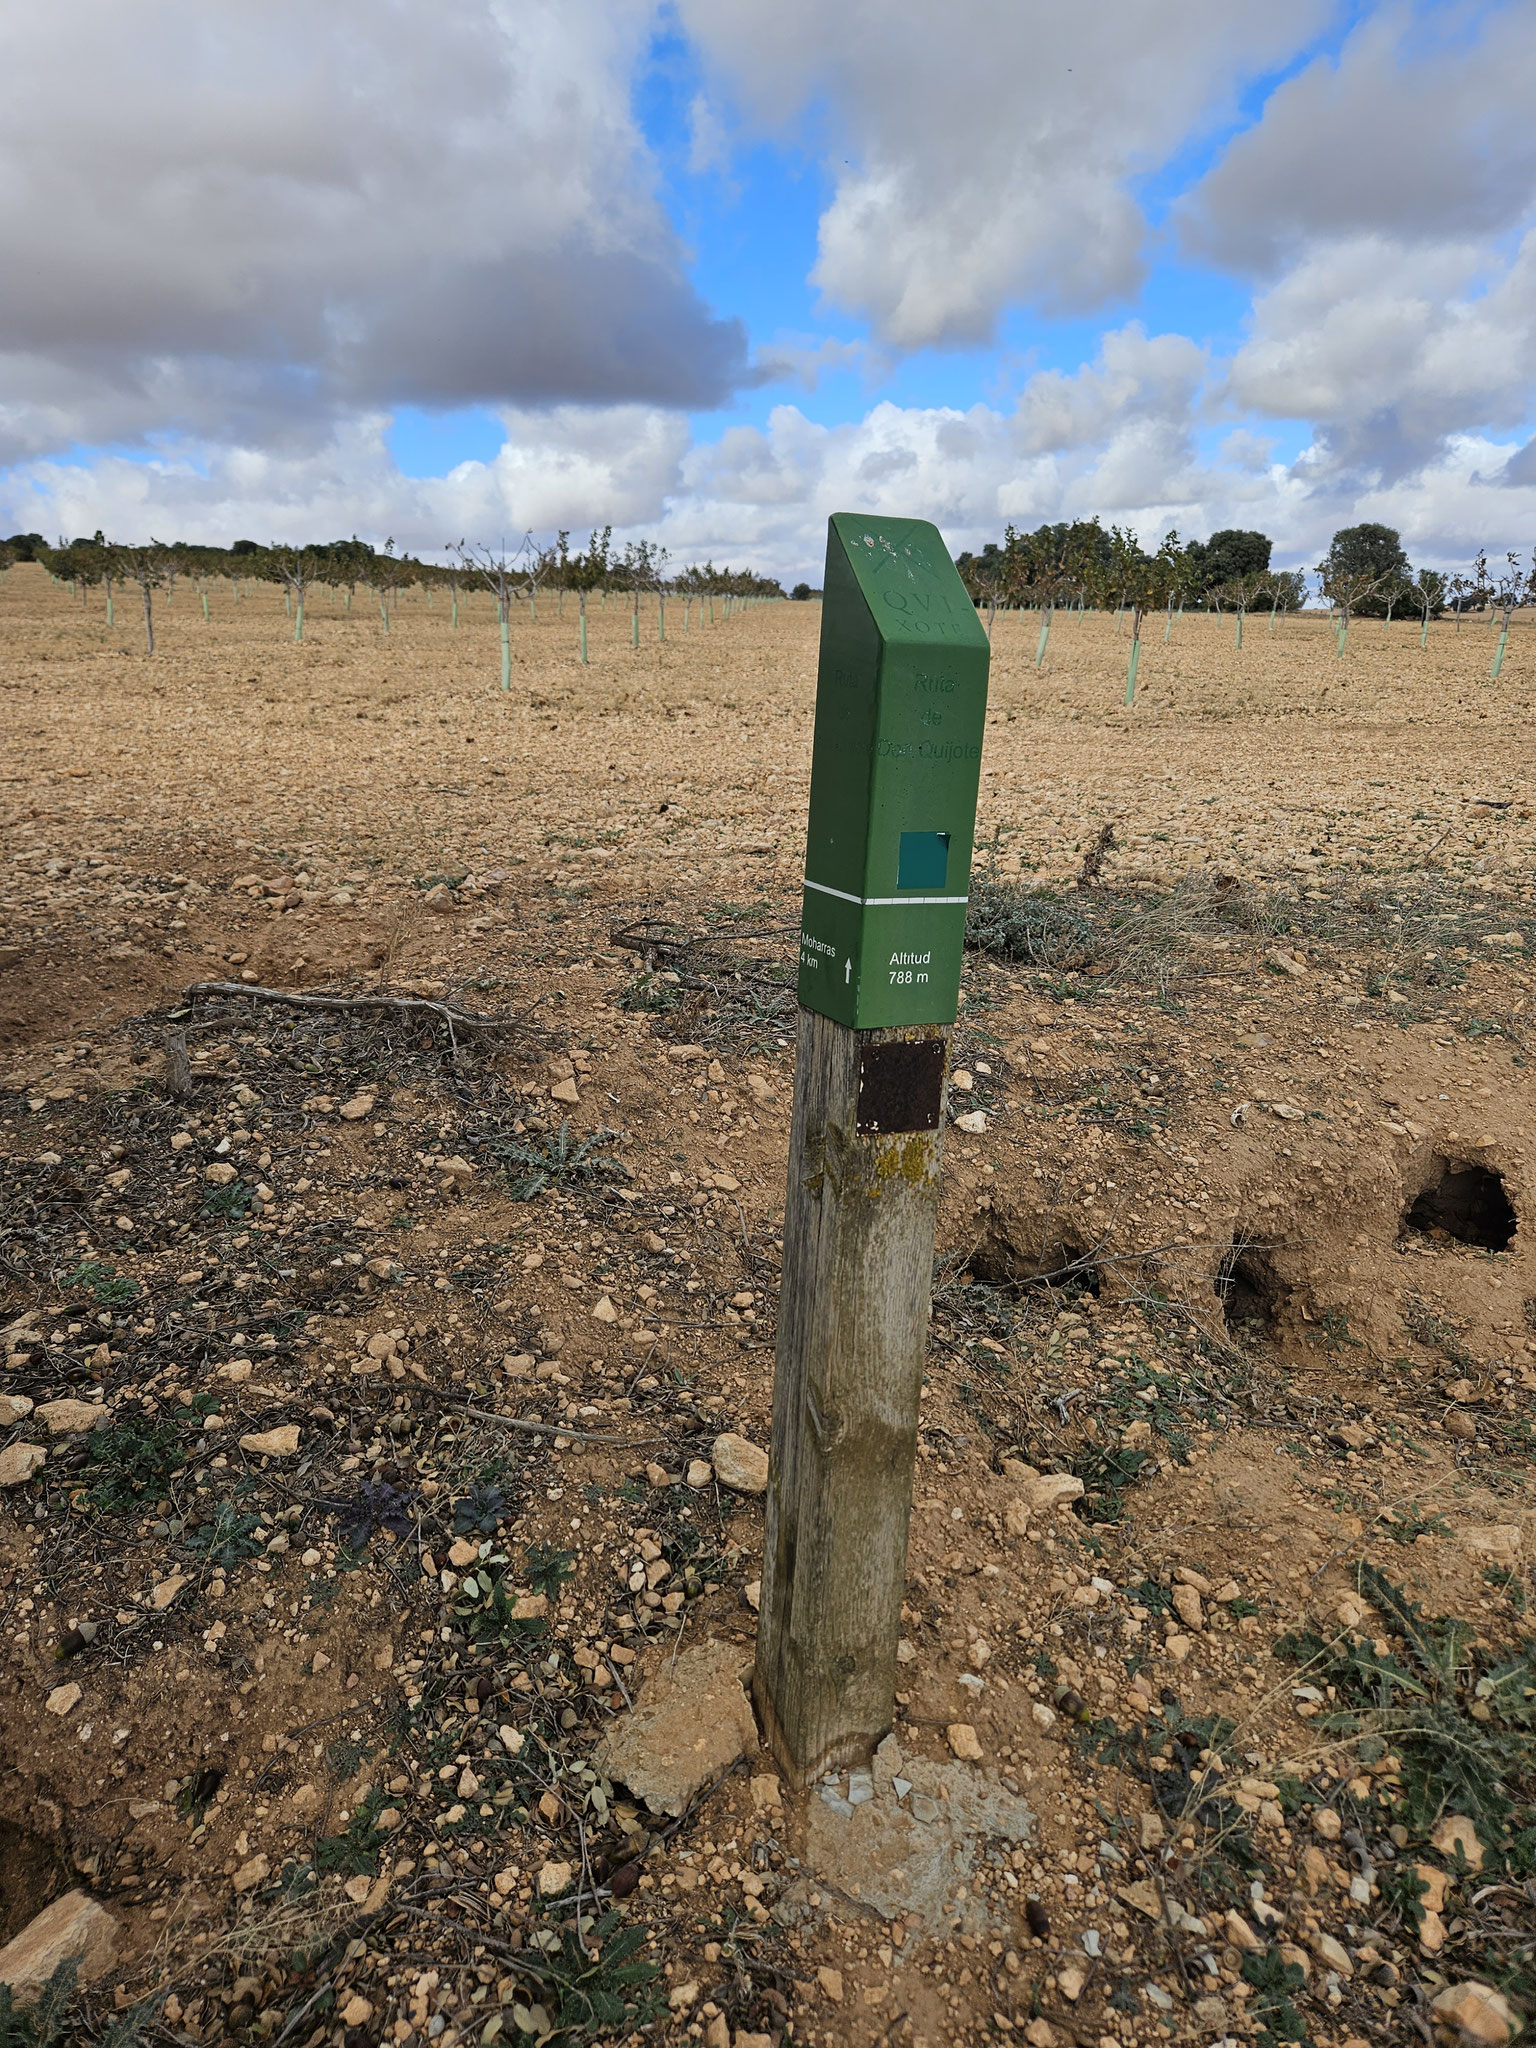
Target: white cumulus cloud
[{"x": 246, "y": 222}]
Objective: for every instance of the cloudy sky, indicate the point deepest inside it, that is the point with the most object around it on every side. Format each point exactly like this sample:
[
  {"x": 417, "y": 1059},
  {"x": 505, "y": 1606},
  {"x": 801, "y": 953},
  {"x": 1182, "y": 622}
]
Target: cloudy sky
[{"x": 710, "y": 269}]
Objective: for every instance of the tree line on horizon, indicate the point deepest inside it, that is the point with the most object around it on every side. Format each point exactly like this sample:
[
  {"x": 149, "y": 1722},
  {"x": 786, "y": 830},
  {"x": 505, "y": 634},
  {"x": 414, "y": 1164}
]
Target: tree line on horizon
[
  {"x": 1365, "y": 573},
  {"x": 1077, "y": 565},
  {"x": 346, "y": 564},
  {"x": 512, "y": 577}
]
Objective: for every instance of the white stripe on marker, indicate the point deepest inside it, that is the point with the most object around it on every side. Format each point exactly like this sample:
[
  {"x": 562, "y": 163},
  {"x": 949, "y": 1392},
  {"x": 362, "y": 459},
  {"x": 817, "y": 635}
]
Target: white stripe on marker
[{"x": 879, "y": 902}]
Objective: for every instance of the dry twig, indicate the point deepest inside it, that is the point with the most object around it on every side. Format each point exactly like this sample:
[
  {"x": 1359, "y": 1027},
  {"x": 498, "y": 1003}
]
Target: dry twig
[{"x": 455, "y": 1018}]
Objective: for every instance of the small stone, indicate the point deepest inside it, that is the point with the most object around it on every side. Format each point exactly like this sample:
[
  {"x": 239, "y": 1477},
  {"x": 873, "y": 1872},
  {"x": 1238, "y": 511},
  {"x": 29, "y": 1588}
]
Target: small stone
[
  {"x": 1186, "y": 1605},
  {"x": 357, "y": 1889},
  {"x": 251, "y": 1874},
  {"x": 691, "y": 1724},
  {"x": 767, "y": 1793},
  {"x": 1431, "y": 1932},
  {"x": 1070, "y": 1982},
  {"x": 1456, "y": 1836},
  {"x": 700, "y": 1472},
  {"x": 1480, "y": 2015},
  {"x": 530, "y": 1607},
  {"x": 1497, "y": 1541},
  {"x": 73, "y": 1929},
  {"x": 13, "y": 1408},
  {"x": 357, "y": 2011},
  {"x": 1153, "y": 1832},
  {"x": 1284, "y": 962},
  {"x": 272, "y": 1443},
  {"x": 220, "y": 1174},
  {"x": 1044, "y": 1717},
  {"x": 1050, "y": 1490},
  {"x": 1332, "y": 1954},
  {"x": 1143, "y": 1898},
  {"x": 1325, "y": 1822},
  {"x": 72, "y": 1418},
  {"x": 565, "y": 1091},
  {"x": 21, "y": 1462},
  {"x": 1016, "y": 1518},
  {"x": 973, "y": 1123},
  {"x": 166, "y": 1591},
  {"x": 1315, "y": 1873},
  {"x": 1434, "y": 1880},
  {"x": 605, "y": 1312},
  {"x": 1461, "y": 1425},
  {"x": 963, "y": 1742},
  {"x": 63, "y": 1699},
  {"x": 923, "y": 1808},
  {"x": 462, "y": 1552},
  {"x": 1178, "y": 1648},
  {"x": 1241, "y": 1935},
  {"x": 831, "y": 1982},
  {"x": 1041, "y": 2034},
  {"x": 554, "y": 1879},
  {"x": 357, "y": 1108},
  {"x": 739, "y": 1464}
]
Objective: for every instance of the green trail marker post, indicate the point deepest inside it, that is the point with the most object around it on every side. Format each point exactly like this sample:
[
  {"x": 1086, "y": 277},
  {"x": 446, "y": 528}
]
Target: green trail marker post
[{"x": 896, "y": 762}]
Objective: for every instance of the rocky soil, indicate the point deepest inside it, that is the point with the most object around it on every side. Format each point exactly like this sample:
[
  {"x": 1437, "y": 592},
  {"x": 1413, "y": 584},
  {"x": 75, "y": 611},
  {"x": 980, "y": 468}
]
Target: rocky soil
[{"x": 383, "y": 1397}]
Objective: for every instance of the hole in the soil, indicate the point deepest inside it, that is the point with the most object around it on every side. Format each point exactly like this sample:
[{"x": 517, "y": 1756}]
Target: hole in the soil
[
  {"x": 1059, "y": 1262},
  {"x": 1248, "y": 1287},
  {"x": 32, "y": 1874},
  {"x": 1464, "y": 1202}
]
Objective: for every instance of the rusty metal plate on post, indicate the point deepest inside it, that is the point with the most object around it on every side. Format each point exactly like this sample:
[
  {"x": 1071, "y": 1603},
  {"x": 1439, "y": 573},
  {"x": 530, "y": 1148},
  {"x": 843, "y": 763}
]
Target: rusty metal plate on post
[{"x": 901, "y": 1085}]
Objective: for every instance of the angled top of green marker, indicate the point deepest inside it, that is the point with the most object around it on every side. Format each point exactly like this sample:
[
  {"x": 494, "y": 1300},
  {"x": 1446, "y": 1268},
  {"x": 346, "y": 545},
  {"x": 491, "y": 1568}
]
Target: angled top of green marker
[
  {"x": 901, "y": 700},
  {"x": 912, "y": 588}
]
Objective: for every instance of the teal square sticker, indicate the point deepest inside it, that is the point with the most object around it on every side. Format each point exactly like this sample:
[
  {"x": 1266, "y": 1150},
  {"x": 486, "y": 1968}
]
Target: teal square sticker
[{"x": 922, "y": 861}]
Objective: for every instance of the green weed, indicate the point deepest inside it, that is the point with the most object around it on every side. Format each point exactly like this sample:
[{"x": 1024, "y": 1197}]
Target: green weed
[
  {"x": 574, "y": 1993},
  {"x": 110, "y": 1288},
  {"x": 1461, "y": 1719},
  {"x": 42, "y": 2022},
  {"x": 128, "y": 1461},
  {"x": 531, "y": 1168}
]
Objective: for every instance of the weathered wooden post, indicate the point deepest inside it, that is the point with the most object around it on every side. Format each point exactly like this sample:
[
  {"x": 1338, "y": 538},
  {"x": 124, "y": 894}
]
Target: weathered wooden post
[{"x": 900, "y": 714}]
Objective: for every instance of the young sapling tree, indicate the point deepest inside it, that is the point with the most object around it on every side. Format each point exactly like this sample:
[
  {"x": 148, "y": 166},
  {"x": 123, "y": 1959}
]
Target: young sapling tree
[
  {"x": 501, "y": 574},
  {"x": 146, "y": 567},
  {"x": 295, "y": 568}
]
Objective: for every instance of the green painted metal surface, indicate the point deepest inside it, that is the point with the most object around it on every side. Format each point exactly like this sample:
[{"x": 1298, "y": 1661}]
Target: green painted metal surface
[{"x": 901, "y": 703}]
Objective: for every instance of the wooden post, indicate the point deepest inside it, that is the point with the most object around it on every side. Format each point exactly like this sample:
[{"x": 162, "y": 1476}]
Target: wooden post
[{"x": 900, "y": 713}]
